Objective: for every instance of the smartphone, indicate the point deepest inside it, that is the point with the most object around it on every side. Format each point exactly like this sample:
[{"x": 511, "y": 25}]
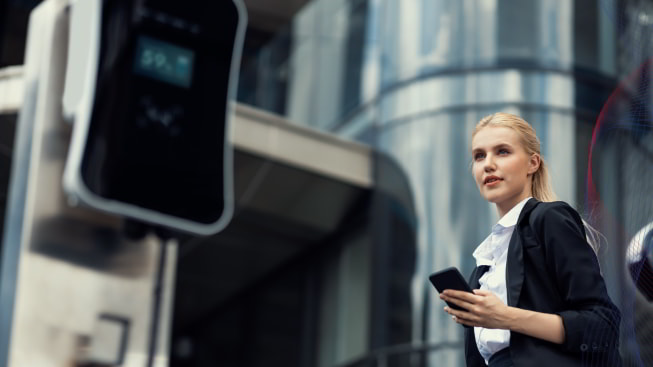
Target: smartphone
[{"x": 450, "y": 278}]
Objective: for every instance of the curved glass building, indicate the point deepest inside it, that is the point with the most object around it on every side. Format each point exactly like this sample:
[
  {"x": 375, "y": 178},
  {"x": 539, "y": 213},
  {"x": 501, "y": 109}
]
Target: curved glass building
[{"x": 412, "y": 78}]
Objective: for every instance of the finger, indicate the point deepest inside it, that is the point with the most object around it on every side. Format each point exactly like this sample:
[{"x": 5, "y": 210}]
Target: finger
[
  {"x": 465, "y": 317},
  {"x": 454, "y": 312},
  {"x": 469, "y": 297},
  {"x": 462, "y": 315},
  {"x": 467, "y": 322},
  {"x": 482, "y": 292},
  {"x": 458, "y": 302},
  {"x": 464, "y": 321}
]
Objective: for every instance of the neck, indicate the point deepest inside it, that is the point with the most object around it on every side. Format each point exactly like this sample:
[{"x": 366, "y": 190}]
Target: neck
[{"x": 504, "y": 207}]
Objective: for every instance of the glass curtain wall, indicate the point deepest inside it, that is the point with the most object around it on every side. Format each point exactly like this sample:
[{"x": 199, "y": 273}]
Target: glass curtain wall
[
  {"x": 434, "y": 68},
  {"x": 412, "y": 78}
]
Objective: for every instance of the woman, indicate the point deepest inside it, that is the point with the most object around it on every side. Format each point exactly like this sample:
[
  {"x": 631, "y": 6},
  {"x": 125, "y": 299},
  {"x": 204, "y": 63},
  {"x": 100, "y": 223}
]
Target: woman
[{"x": 539, "y": 296}]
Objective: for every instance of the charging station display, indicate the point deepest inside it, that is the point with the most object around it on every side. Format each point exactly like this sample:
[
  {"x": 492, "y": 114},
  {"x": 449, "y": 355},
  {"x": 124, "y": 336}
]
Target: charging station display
[{"x": 164, "y": 61}]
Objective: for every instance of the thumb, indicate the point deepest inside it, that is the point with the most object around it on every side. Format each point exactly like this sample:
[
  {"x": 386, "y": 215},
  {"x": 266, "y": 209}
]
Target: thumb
[{"x": 481, "y": 292}]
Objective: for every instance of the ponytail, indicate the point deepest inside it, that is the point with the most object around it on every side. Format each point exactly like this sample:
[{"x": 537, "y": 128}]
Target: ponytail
[{"x": 541, "y": 185}]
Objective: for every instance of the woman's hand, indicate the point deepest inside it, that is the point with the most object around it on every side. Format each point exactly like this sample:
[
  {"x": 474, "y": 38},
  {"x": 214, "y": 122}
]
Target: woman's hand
[{"x": 484, "y": 309}]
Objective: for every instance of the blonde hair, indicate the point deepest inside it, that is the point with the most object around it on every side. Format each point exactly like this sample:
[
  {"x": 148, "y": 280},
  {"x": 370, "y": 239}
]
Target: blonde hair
[{"x": 541, "y": 188}]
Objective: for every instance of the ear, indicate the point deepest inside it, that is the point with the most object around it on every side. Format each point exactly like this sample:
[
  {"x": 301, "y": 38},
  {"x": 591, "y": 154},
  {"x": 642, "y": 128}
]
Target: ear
[{"x": 534, "y": 163}]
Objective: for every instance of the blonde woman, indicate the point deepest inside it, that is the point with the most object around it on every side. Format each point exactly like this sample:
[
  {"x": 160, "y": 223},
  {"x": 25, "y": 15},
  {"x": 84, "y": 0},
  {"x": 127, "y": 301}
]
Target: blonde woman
[{"x": 539, "y": 296}]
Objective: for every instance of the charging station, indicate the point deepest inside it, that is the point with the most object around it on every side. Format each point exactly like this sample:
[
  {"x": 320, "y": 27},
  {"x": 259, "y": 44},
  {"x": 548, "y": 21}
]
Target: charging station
[
  {"x": 151, "y": 126},
  {"x": 124, "y": 119}
]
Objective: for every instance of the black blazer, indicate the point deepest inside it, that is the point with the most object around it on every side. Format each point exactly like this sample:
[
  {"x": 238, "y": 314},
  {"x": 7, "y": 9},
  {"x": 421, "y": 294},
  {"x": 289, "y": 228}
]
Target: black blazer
[{"x": 551, "y": 268}]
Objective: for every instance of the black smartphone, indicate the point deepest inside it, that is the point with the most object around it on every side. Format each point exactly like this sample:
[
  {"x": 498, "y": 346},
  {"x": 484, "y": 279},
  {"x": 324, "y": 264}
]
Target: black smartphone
[{"x": 450, "y": 278}]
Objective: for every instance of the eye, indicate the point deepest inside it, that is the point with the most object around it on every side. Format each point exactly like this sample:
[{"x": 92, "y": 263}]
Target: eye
[
  {"x": 478, "y": 156},
  {"x": 504, "y": 151}
]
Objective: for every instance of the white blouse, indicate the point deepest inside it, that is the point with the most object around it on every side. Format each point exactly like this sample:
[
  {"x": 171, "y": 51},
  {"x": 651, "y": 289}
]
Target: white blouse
[{"x": 493, "y": 251}]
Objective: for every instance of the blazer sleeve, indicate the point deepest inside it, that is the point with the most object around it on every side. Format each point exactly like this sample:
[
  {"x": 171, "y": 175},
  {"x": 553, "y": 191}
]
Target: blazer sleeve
[{"x": 590, "y": 319}]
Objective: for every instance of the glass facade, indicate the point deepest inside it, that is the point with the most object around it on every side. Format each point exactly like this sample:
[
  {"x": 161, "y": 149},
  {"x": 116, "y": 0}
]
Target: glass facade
[
  {"x": 411, "y": 79},
  {"x": 427, "y": 72},
  {"x": 430, "y": 70}
]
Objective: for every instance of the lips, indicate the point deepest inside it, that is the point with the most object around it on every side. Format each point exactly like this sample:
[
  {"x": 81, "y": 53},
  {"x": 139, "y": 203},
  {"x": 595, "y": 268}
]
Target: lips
[{"x": 490, "y": 180}]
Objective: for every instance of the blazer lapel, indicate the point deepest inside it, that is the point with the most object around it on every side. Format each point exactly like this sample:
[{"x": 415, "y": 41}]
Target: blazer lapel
[
  {"x": 515, "y": 259},
  {"x": 476, "y": 275},
  {"x": 473, "y": 281}
]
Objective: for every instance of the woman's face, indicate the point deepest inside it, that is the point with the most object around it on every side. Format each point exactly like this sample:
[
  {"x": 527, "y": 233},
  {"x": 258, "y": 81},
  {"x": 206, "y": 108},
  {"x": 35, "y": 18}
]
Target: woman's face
[{"x": 501, "y": 167}]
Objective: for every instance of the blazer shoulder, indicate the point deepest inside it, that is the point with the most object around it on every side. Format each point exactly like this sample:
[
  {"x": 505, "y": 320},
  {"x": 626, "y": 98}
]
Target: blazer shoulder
[
  {"x": 554, "y": 213},
  {"x": 547, "y": 210}
]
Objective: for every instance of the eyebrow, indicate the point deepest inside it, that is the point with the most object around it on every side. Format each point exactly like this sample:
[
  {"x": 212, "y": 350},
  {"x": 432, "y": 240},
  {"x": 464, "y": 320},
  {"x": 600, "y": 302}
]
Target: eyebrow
[{"x": 498, "y": 146}]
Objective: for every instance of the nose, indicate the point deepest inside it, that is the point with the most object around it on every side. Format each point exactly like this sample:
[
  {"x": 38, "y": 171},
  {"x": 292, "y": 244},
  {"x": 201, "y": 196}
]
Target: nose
[{"x": 489, "y": 164}]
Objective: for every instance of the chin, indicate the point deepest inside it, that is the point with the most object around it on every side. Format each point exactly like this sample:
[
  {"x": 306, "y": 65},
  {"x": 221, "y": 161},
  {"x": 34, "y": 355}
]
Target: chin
[{"x": 492, "y": 198}]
